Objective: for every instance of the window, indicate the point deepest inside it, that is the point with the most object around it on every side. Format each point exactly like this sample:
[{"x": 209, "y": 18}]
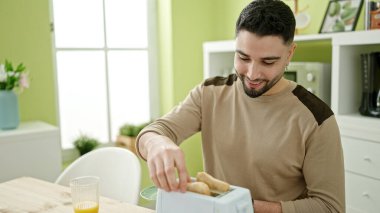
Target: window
[{"x": 105, "y": 67}]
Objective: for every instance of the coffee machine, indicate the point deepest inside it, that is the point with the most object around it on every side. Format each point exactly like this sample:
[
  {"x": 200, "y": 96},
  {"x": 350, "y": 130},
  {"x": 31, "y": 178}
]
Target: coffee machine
[{"x": 370, "y": 104}]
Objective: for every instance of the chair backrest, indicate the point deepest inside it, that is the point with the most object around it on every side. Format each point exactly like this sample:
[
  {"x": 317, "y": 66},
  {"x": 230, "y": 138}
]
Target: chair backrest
[{"x": 119, "y": 171}]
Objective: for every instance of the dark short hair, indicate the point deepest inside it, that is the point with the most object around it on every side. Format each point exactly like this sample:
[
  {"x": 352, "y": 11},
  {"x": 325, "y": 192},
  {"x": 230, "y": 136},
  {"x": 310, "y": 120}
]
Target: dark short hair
[{"x": 268, "y": 17}]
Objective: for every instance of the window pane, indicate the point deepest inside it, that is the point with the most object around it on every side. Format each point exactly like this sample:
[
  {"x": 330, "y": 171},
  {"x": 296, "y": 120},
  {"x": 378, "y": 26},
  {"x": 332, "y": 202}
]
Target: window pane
[
  {"x": 126, "y": 22},
  {"x": 129, "y": 88},
  {"x": 82, "y": 95},
  {"x": 78, "y": 23}
]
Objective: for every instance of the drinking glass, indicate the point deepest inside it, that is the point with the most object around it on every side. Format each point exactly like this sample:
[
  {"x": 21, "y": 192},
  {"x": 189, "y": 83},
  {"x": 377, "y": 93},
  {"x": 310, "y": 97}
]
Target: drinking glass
[{"x": 85, "y": 194}]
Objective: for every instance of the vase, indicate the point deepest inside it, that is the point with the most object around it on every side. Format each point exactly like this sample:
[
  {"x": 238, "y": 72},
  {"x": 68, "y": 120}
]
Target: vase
[{"x": 9, "y": 117}]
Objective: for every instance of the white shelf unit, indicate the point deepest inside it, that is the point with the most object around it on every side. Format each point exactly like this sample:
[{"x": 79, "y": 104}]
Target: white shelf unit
[
  {"x": 360, "y": 134},
  {"x": 33, "y": 149},
  {"x": 346, "y": 81},
  {"x": 218, "y": 58}
]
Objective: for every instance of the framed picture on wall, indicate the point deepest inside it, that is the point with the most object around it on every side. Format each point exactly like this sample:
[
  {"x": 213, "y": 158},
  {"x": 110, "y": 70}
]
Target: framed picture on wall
[{"x": 341, "y": 16}]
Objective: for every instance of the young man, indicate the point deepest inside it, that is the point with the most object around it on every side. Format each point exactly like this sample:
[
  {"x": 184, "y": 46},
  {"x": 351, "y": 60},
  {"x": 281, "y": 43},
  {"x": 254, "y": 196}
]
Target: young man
[{"x": 259, "y": 130}]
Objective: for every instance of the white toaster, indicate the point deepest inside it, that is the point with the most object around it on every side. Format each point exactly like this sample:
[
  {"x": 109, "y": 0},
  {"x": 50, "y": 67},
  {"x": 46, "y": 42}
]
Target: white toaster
[{"x": 236, "y": 200}]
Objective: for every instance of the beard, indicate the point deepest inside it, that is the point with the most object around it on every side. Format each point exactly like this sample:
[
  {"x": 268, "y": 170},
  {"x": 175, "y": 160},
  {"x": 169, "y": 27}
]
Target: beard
[{"x": 254, "y": 93}]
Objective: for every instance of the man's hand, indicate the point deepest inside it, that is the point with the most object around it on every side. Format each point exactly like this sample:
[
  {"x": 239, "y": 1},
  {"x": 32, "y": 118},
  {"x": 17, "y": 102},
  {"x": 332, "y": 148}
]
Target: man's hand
[{"x": 164, "y": 159}]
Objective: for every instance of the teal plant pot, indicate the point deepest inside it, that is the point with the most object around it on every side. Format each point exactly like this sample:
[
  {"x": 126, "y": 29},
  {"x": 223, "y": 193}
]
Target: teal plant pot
[{"x": 9, "y": 117}]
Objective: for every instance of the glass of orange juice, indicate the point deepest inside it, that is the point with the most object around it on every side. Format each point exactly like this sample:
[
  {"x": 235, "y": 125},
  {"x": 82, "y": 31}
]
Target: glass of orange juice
[{"x": 85, "y": 194}]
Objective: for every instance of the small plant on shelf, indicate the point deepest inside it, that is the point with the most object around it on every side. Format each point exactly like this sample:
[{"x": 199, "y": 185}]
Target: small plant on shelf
[
  {"x": 85, "y": 144},
  {"x": 127, "y": 135}
]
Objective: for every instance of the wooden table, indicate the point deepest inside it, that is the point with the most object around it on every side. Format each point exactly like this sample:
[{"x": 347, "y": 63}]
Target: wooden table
[{"x": 30, "y": 195}]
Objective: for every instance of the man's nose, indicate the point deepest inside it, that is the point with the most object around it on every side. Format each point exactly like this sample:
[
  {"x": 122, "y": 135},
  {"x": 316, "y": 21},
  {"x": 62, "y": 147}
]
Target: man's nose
[{"x": 253, "y": 72}]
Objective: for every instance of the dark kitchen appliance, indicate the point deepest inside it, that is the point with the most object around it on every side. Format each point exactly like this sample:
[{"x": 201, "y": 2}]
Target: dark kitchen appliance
[{"x": 370, "y": 105}]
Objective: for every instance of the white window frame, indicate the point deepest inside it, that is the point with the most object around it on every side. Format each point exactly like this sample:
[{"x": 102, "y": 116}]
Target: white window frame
[{"x": 154, "y": 92}]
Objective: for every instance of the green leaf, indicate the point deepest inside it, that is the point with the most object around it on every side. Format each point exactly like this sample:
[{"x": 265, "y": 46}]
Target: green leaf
[
  {"x": 8, "y": 66},
  {"x": 11, "y": 82},
  {"x": 20, "y": 68},
  {"x": 3, "y": 85}
]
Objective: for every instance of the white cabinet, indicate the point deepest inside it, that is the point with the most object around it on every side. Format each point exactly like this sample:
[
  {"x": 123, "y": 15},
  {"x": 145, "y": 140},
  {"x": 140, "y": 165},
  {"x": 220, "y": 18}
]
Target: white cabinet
[
  {"x": 33, "y": 149},
  {"x": 362, "y": 164},
  {"x": 360, "y": 134}
]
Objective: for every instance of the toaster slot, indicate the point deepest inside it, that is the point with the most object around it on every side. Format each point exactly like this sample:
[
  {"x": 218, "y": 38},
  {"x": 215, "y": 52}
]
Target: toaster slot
[{"x": 215, "y": 193}]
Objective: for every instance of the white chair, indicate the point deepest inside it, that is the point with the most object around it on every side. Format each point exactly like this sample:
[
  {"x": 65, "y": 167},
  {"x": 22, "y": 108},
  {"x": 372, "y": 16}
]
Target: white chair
[{"x": 119, "y": 171}]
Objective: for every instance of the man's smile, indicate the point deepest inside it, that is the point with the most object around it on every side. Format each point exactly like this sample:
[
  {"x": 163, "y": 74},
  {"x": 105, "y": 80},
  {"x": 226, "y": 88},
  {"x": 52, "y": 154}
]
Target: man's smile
[{"x": 257, "y": 84}]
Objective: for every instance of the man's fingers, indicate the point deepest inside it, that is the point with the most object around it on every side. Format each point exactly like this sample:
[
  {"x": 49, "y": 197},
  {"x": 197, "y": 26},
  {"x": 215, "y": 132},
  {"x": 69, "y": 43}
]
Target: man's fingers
[
  {"x": 170, "y": 173},
  {"x": 161, "y": 176},
  {"x": 153, "y": 176},
  {"x": 183, "y": 180},
  {"x": 183, "y": 175}
]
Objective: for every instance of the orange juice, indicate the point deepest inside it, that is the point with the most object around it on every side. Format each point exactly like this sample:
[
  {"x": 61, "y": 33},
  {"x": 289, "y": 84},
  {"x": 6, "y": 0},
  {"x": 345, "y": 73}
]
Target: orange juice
[{"x": 86, "y": 207}]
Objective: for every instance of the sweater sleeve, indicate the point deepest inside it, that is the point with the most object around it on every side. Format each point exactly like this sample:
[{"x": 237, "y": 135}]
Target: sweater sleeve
[
  {"x": 323, "y": 171},
  {"x": 181, "y": 122}
]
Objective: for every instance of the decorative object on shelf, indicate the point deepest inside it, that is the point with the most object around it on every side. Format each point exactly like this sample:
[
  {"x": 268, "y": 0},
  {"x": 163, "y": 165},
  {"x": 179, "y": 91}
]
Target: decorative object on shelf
[
  {"x": 372, "y": 15},
  {"x": 341, "y": 16},
  {"x": 85, "y": 144},
  {"x": 302, "y": 20},
  {"x": 370, "y": 64},
  {"x": 367, "y": 14},
  {"x": 127, "y": 136},
  {"x": 9, "y": 118},
  {"x": 302, "y": 17},
  {"x": 12, "y": 81}
]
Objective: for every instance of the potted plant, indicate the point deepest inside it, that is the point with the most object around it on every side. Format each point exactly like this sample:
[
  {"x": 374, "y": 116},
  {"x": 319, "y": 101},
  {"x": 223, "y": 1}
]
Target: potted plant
[
  {"x": 127, "y": 135},
  {"x": 85, "y": 144}
]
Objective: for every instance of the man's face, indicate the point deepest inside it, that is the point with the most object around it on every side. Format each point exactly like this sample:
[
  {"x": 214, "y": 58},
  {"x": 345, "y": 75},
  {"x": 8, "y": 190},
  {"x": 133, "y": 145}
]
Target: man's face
[{"x": 260, "y": 61}]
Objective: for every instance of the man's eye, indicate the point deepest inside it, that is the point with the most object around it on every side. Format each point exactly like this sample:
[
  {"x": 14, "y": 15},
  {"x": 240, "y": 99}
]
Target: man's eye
[
  {"x": 268, "y": 62},
  {"x": 244, "y": 59}
]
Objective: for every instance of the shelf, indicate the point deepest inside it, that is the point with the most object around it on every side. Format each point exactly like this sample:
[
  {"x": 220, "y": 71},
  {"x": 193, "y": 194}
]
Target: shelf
[
  {"x": 28, "y": 128},
  {"x": 219, "y": 46},
  {"x": 313, "y": 37},
  {"x": 344, "y": 38},
  {"x": 229, "y": 45},
  {"x": 357, "y": 38},
  {"x": 347, "y": 75}
]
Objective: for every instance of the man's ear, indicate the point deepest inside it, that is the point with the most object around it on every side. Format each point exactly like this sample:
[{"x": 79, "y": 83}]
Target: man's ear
[{"x": 292, "y": 49}]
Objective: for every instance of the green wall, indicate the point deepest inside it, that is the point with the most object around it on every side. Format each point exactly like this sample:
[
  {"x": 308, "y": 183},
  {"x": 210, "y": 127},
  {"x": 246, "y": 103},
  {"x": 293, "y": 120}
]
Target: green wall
[
  {"x": 25, "y": 37},
  {"x": 165, "y": 54}
]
